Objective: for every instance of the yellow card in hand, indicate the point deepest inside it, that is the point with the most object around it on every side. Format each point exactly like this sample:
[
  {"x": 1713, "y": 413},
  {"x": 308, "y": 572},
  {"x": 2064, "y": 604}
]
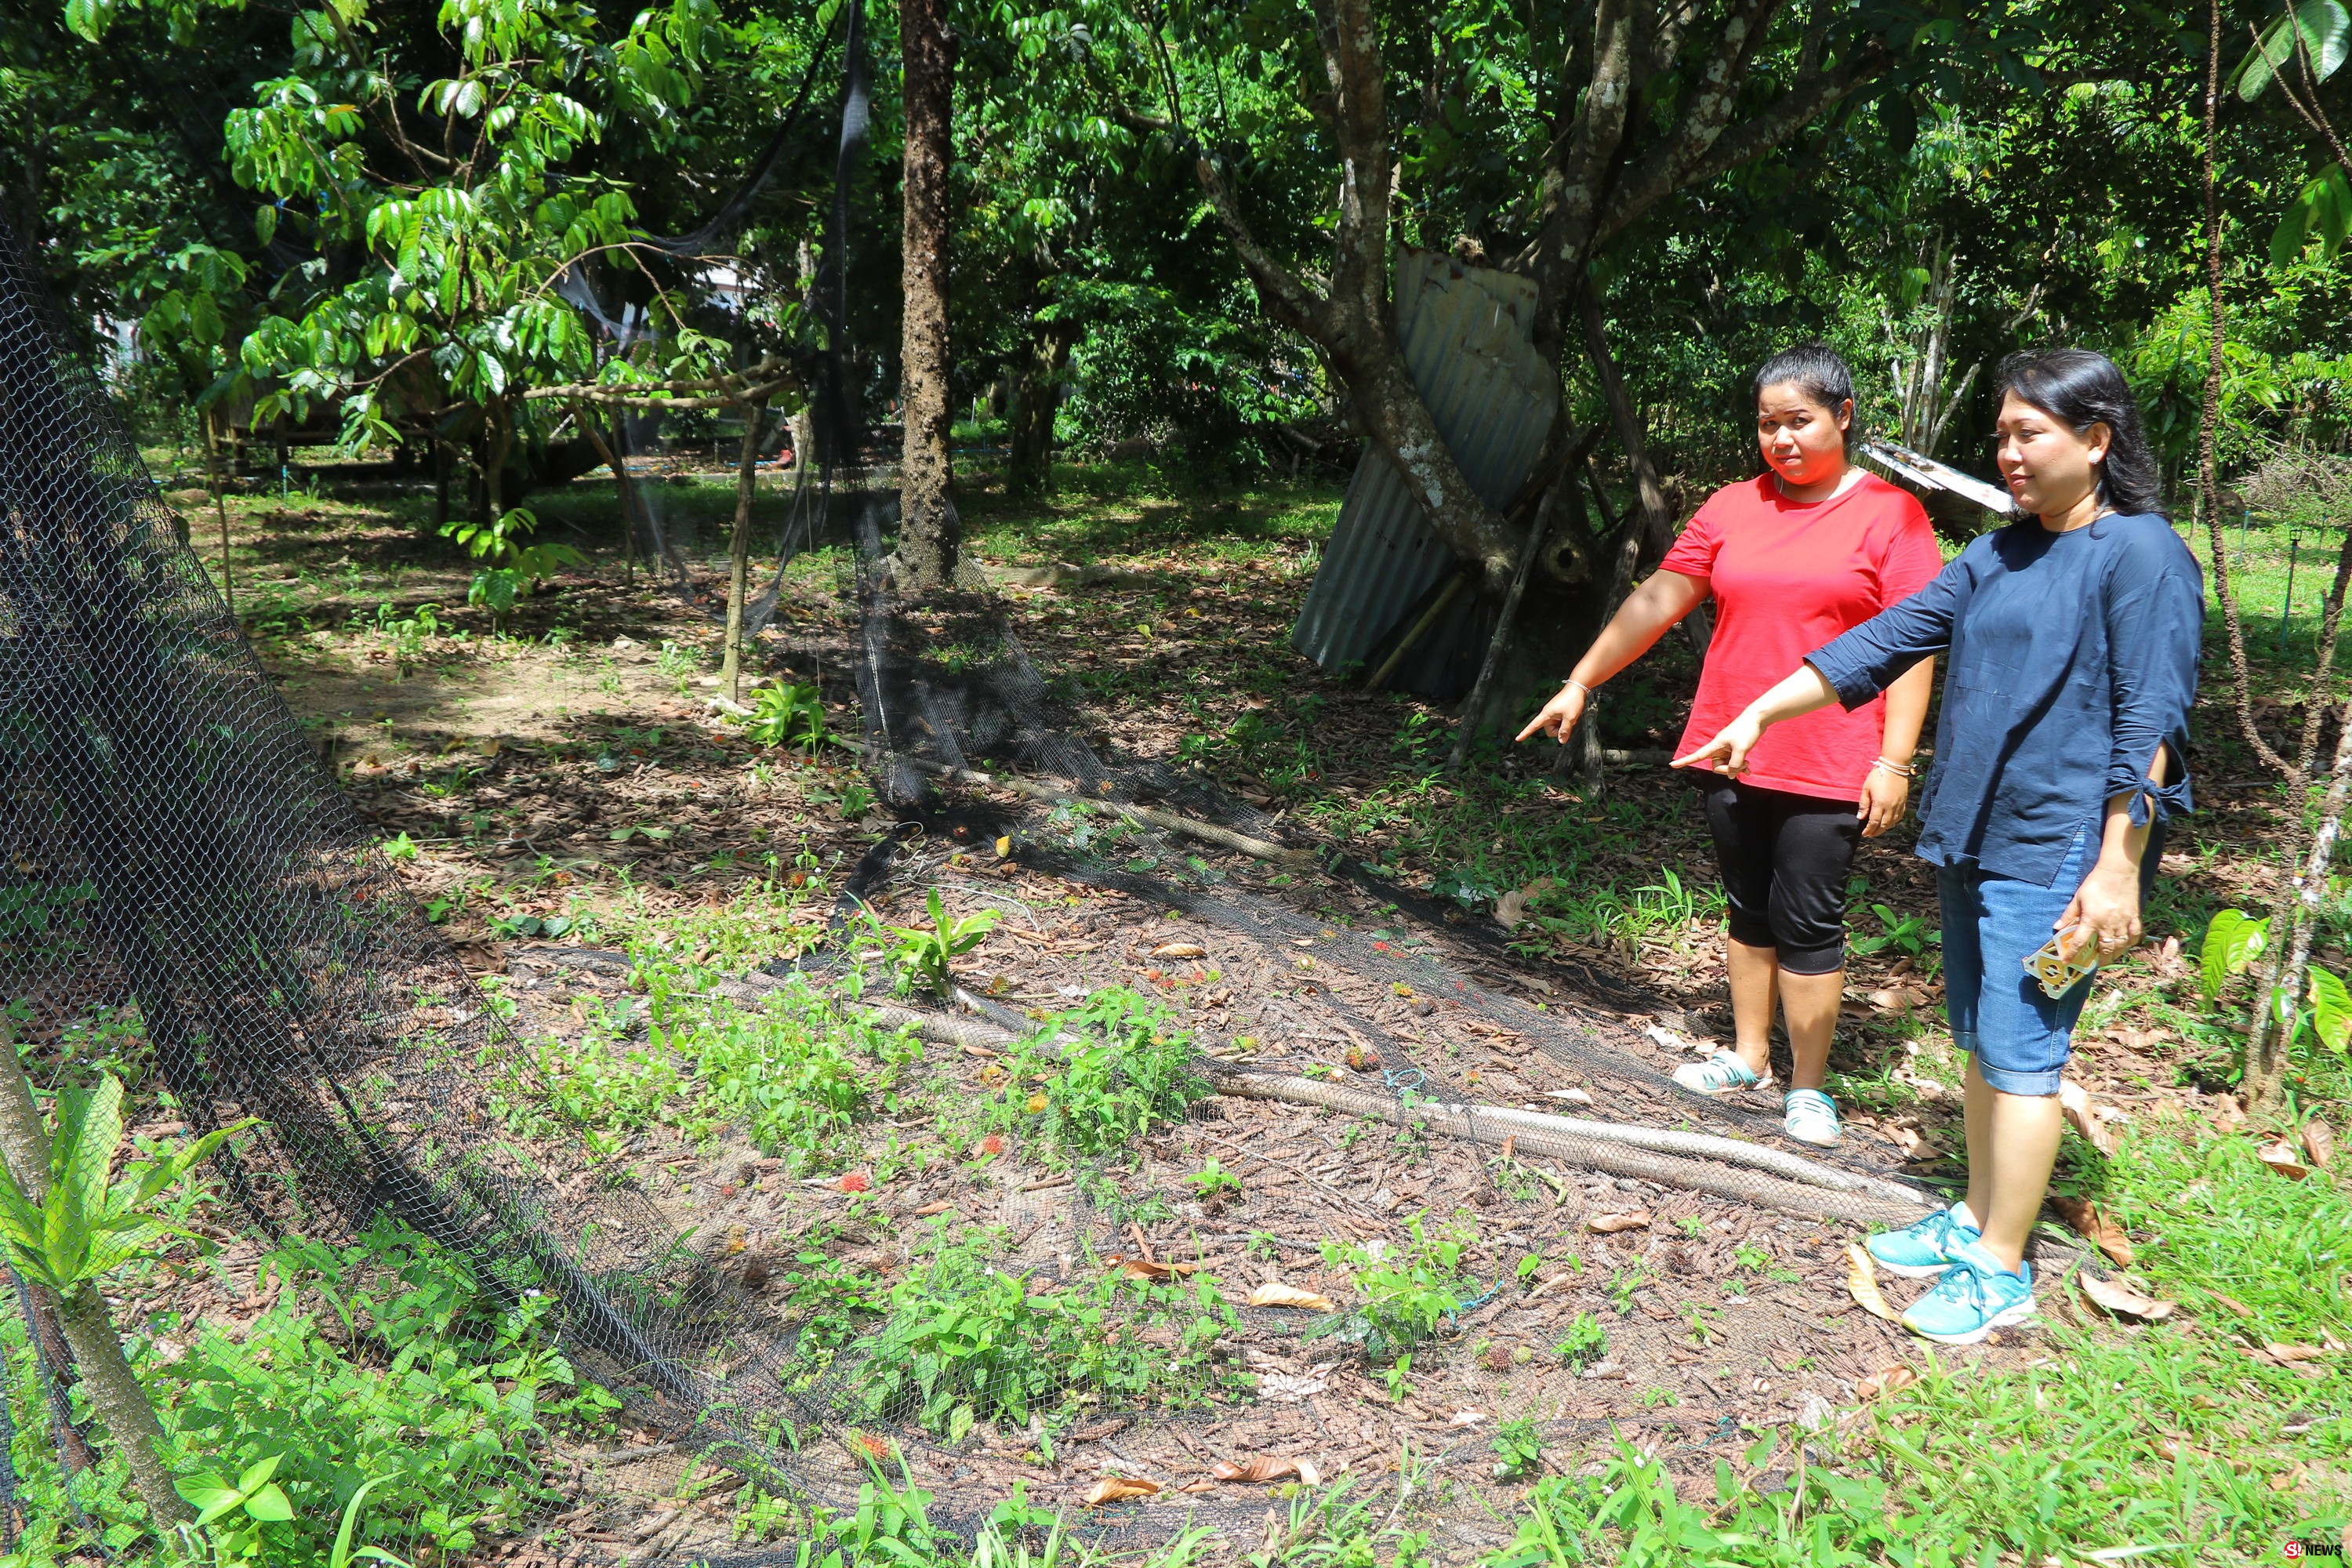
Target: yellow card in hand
[{"x": 2057, "y": 972}]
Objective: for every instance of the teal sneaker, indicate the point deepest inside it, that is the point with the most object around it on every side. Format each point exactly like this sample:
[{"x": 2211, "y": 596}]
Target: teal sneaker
[
  {"x": 1811, "y": 1117},
  {"x": 1719, "y": 1074},
  {"x": 1924, "y": 1250},
  {"x": 1975, "y": 1297}
]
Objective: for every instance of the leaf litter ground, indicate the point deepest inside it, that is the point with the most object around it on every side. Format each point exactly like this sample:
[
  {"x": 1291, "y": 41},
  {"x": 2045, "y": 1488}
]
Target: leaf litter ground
[{"x": 586, "y": 782}]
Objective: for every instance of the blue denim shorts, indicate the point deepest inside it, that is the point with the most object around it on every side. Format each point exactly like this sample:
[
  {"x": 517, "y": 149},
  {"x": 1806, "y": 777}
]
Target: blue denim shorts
[{"x": 2020, "y": 1036}]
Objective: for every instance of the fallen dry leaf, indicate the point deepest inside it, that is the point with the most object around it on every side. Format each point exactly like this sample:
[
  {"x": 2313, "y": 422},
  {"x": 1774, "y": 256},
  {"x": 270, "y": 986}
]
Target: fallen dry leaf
[
  {"x": 2280, "y": 1157},
  {"x": 1179, "y": 950},
  {"x": 1611, "y": 1224},
  {"x": 1116, "y": 1489},
  {"x": 1511, "y": 908},
  {"x": 2076, "y": 1101},
  {"x": 2233, "y": 1303},
  {"x": 2119, "y": 1299},
  {"x": 1886, "y": 1382},
  {"x": 1862, "y": 1283},
  {"x": 1202, "y": 1485},
  {"x": 2319, "y": 1142},
  {"x": 929, "y": 1209},
  {"x": 2087, "y": 1220},
  {"x": 1274, "y": 1293},
  {"x": 2287, "y": 1354},
  {"x": 1264, "y": 1468},
  {"x": 1146, "y": 1269},
  {"x": 1287, "y": 1387}
]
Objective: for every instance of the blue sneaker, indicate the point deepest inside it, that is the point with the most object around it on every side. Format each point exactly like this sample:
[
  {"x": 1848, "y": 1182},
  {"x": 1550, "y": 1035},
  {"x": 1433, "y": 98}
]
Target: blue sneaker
[
  {"x": 1719, "y": 1074},
  {"x": 1925, "y": 1249},
  {"x": 1975, "y": 1297}
]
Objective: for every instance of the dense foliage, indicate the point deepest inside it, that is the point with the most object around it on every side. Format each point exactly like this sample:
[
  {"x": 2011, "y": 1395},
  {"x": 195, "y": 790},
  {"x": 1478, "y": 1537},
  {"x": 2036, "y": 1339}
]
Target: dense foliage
[{"x": 403, "y": 221}]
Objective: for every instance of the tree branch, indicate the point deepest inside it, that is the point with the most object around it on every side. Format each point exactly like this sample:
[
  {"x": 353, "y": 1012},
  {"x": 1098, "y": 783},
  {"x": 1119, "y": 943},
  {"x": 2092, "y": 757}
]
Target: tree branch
[
  {"x": 1662, "y": 169},
  {"x": 1753, "y": 137},
  {"x": 1289, "y": 298}
]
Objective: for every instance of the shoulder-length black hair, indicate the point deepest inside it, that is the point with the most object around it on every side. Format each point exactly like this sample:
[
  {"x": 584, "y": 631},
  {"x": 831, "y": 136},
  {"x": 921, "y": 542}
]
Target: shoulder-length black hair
[
  {"x": 1821, "y": 373},
  {"x": 2082, "y": 388}
]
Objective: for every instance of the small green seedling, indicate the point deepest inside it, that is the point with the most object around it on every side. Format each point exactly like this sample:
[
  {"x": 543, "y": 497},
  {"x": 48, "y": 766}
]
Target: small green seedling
[
  {"x": 786, "y": 715},
  {"x": 1518, "y": 1449},
  {"x": 926, "y": 954},
  {"x": 400, "y": 849},
  {"x": 1213, "y": 1179},
  {"x": 1584, "y": 1343}
]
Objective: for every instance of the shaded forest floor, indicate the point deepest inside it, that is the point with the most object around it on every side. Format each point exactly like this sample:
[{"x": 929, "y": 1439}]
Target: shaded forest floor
[{"x": 563, "y": 782}]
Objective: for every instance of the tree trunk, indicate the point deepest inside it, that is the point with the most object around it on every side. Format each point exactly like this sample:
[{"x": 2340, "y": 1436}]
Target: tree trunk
[
  {"x": 927, "y": 526},
  {"x": 2209, "y": 484},
  {"x": 114, "y": 1391},
  {"x": 1036, "y": 386},
  {"x": 2293, "y": 925},
  {"x": 2331, "y": 621},
  {"x": 122, "y": 1403},
  {"x": 739, "y": 556},
  {"x": 1657, "y": 518}
]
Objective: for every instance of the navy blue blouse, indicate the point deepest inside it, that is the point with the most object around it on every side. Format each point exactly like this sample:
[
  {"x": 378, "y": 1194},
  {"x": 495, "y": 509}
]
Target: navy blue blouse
[{"x": 2074, "y": 657}]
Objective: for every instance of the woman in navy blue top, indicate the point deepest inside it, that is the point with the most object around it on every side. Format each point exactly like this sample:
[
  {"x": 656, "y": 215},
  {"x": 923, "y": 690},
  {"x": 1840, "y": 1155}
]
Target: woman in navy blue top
[{"x": 2073, "y": 638}]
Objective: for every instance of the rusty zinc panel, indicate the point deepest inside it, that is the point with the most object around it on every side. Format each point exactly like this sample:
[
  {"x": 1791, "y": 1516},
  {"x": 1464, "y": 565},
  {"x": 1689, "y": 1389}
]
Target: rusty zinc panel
[{"x": 1469, "y": 348}]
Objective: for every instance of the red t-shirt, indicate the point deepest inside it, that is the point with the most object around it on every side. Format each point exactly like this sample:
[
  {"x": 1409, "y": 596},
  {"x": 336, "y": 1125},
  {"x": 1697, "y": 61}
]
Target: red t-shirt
[{"x": 1786, "y": 579}]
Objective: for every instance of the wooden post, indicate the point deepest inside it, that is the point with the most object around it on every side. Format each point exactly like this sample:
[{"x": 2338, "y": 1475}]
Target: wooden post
[
  {"x": 739, "y": 558},
  {"x": 1468, "y": 723},
  {"x": 220, "y": 504}
]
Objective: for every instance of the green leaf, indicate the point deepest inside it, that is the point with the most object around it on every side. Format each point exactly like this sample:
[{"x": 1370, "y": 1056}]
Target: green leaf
[
  {"x": 259, "y": 1471},
  {"x": 2232, "y": 942},
  {"x": 2331, "y": 1009},
  {"x": 89, "y": 19},
  {"x": 2325, "y": 32},
  {"x": 269, "y": 1505}
]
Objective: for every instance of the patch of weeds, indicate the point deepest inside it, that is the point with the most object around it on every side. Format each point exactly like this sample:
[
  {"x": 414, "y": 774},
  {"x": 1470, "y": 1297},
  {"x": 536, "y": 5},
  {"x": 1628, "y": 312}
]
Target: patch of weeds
[
  {"x": 1406, "y": 1291},
  {"x": 1518, "y": 1449},
  {"x": 447, "y": 1421},
  {"x": 796, "y": 1071},
  {"x": 1095, "y": 1079},
  {"x": 967, "y": 1342},
  {"x": 1584, "y": 1343}
]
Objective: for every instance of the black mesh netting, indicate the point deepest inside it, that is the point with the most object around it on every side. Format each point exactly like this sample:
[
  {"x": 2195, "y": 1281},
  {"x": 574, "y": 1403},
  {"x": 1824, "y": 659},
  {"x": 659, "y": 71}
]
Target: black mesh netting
[{"x": 171, "y": 843}]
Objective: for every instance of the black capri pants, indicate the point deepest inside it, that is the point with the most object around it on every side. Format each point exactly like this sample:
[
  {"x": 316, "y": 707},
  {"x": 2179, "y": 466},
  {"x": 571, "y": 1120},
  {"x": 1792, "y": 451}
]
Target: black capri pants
[{"x": 1785, "y": 858}]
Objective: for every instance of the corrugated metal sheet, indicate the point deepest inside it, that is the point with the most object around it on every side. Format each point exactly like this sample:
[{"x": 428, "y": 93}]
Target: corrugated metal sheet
[{"x": 1468, "y": 345}]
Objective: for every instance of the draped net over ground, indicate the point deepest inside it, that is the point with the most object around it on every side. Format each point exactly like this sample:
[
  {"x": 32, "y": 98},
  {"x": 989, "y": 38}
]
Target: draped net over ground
[{"x": 169, "y": 840}]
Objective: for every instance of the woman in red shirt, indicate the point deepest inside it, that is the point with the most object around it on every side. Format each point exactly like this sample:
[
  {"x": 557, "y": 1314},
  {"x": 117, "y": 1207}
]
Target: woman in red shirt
[{"x": 1807, "y": 550}]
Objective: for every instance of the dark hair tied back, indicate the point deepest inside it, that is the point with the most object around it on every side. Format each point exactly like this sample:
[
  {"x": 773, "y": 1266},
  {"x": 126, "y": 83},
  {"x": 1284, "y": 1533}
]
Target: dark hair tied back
[
  {"x": 2082, "y": 389},
  {"x": 1821, "y": 372}
]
